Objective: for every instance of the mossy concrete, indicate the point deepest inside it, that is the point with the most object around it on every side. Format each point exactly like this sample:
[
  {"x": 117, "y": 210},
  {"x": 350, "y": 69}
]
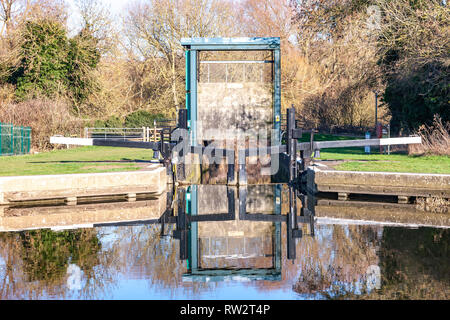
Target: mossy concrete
[
  {"x": 378, "y": 183},
  {"x": 392, "y": 213},
  {"x": 28, "y": 188},
  {"x": 79, "y": 216}
]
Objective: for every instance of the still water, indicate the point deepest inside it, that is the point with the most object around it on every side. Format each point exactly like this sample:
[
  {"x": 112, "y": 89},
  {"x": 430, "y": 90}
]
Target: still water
[{"x": 213, "y": 242}]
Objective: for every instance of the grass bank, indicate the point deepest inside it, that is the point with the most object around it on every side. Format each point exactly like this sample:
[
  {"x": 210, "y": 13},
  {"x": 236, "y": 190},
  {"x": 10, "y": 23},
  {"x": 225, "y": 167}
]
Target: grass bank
[
  {"x": 89, "y": 159},
  {"x": 109, "y": 159},
  {"x": 356, "y": 159}
]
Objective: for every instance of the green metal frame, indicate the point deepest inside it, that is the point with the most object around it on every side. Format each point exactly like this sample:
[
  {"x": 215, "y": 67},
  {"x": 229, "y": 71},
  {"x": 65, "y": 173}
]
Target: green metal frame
[
  {"x": 194, "y": 45},
  {"x": 192, "y": 210}
]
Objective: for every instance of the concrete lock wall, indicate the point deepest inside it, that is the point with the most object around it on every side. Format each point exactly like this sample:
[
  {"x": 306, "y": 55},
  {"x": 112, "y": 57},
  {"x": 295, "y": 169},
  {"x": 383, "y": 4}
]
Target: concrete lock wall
[
  {"x": 80, "y": 216},
  {"x": 391, "y": 213},
  {"x": 387, "y": 183},
  {"x": 25, "y": 188}
]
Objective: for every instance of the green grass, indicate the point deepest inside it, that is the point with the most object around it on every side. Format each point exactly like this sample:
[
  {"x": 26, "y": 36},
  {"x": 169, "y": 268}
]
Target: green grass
[
  {"x": 75, "y": 160},
  {"x": 110, "y": 159},
  {"x": 389, "y": 163},
  {"x": 355, "y": 159}
]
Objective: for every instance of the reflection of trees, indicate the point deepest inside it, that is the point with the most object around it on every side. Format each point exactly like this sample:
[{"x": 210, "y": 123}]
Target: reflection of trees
[
  {"x": 141, "y": 251},
  {"x": 146, "y": 253},
  {"x": 414, "y": 264},
  {"x": 336, "y": 260},
  {"x": 36, "y": 262},
  {"x": 47, "y": 254},
  {"x": 10, "y": 283}
]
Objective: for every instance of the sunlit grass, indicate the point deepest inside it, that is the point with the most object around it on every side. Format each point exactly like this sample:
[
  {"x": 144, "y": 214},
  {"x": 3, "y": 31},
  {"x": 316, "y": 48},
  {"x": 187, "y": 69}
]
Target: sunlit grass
[
  {"x": 356, "y": 159},
  {"x": 396, "y": 163},
  {"x": 94, "y": 159},
  {"x": 89, "y": 159}
]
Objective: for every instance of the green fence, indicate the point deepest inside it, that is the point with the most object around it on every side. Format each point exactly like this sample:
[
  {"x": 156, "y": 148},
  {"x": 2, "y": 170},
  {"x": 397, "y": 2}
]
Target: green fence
[{"x": 14, "y": 139}]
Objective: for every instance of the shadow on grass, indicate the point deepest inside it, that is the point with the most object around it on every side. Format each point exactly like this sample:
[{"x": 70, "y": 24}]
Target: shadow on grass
[
  {"x": 360, "y": 151},
  {"x": 326, "y": 137},
  {"x": 351, "y": 160},
  {"x": 99, "y": 161}
]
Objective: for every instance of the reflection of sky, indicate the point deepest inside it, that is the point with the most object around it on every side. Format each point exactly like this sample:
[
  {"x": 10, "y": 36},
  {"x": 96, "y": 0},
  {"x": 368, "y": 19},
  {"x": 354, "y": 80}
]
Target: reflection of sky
[
  {"x": 2, "y": 267},
  {"x": 138, "y": 289}
]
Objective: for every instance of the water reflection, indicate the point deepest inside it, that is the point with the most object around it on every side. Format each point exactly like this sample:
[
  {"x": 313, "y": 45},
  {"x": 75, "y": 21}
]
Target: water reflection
[{"x": 219, "y": 242}]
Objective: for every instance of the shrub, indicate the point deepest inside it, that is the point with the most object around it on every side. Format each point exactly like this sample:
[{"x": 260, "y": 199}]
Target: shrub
[
  {"x": 52, "y": 65},
  {"x": 414, "y": 53},
  {"x": 142, "y": 118},
  {"x": 42, "y": 67},
  {"x": 435, "y": 139},
  {"x": 45, "y": 117},
  {"x": 111, "y": 122}
]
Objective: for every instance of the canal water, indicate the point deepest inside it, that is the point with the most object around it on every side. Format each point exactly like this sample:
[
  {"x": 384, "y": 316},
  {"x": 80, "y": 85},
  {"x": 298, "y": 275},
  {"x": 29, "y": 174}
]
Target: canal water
[{"x": 213, "y": 242}]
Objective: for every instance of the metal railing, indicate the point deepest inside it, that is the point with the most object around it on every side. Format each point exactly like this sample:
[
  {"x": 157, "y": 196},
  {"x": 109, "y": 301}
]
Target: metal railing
[
  {"x": 14, "y": 139},
  {"x": 115, "y": 133},
  {"x": 160, "y": 130}
]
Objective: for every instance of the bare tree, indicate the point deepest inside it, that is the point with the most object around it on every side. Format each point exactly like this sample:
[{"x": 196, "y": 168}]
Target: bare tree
[
  {"x": 9, "y": 9},
  {"x": 97, "y": 20},
  {"x": 154, "y": 29},
  {"x": 335, "y": 42},
  {"x": 13, "y": 12},
  {"x": 266, "y": 18}
]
